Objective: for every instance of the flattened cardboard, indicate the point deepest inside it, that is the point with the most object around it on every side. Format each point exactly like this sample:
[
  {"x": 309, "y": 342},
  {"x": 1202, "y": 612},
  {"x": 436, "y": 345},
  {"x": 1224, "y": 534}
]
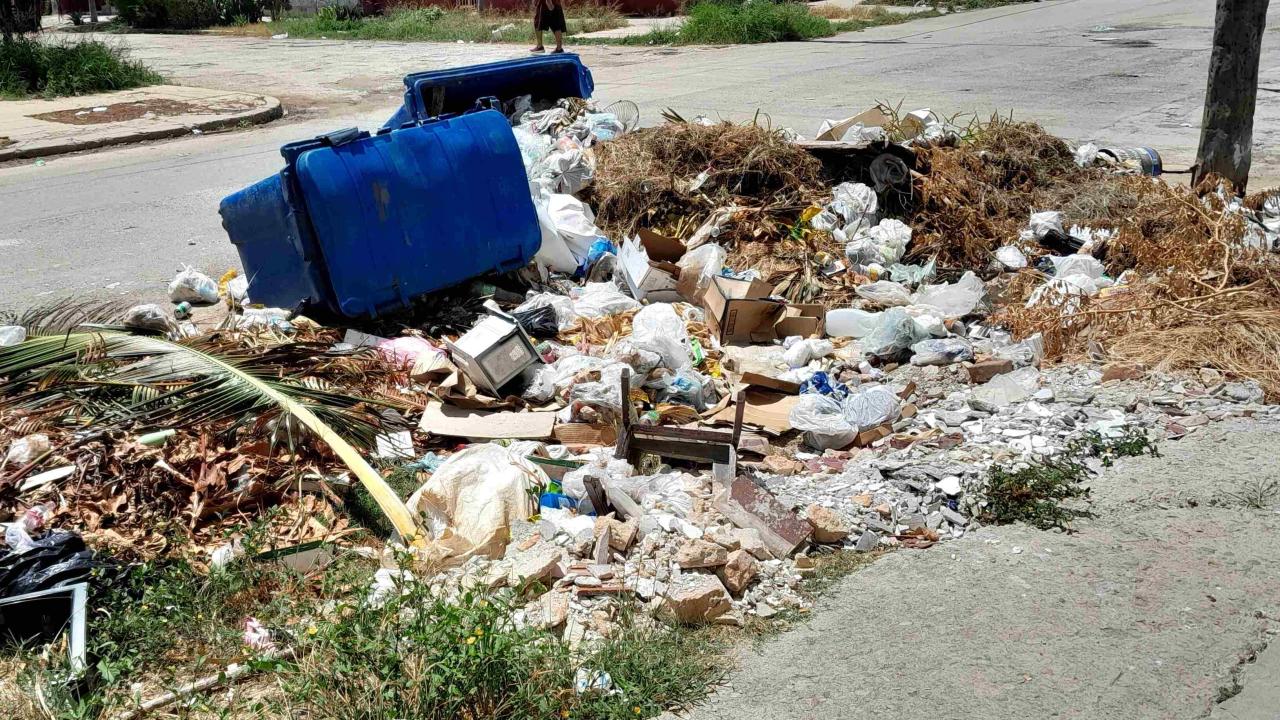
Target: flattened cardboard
[
  {"x": 764, "y": 408},
  {"x": 771, "y": 383},
  {"x": 450, "y": 421},
  {"x": 740, "y": 311}
]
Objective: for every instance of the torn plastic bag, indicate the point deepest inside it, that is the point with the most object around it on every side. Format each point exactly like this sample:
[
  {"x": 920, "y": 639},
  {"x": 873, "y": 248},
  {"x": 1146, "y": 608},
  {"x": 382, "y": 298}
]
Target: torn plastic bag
[
  {"x": 895, "y": 333},
  {"x": 1011, "y": 258},
  {"x": 944, "y": 351},
  {"x": 25, "y": 450},
  {"x": 871, "y": 407},
  {"x": 801, "y": 352},
  {"x": 642, "y": 361},
  {"x": 1045, "y": 223},
  {"x": 539, "y": 322},
  {"x": 687, "y": 387},
  {"x": 1068, "y": 265},
  {"x": 601, "y": 300},
  {"x": 891, "y": 237},
  {"x": 148, "y": 317},
  {"x": 563, "y": 306},
  {"x": 1022, "y": 354},
  {"x": 856, "y": 203},
  {"x": 56, "y": 559},
  {"x": 822, "y": 420},
  {"x": 954, "y": 300},
  {"x": 911, "y": 274},
  {"x": 575, "y": 223},
  {"x": 928, "y": 320},
  {"x": 659, "y": 329},
  {"x": 697, "y": 268},
  {"x": 193, "y": 286},
  {"x": 885, "y": 292},
  {"x": 473, "y": 499},
  {"x": 1008, "y": 388},
  {"x": 554, "y": 253}
]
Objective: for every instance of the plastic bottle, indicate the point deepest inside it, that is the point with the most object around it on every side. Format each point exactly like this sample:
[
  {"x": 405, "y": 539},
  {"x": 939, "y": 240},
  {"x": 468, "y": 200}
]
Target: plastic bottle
[{"x": 850, "y": 322}]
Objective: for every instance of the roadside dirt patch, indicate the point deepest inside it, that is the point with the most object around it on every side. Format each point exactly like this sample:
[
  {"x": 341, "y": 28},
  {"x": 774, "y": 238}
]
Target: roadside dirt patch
[{"x": 120, "y": 112}]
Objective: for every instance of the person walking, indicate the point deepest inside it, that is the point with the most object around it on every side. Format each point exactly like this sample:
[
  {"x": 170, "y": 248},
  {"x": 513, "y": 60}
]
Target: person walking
[{"x": 549, "y": 15}]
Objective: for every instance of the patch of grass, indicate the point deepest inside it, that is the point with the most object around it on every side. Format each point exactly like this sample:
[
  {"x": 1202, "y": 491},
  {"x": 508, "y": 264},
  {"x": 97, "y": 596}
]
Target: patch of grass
[
  {"x": 433, "y": 23},
  {"x": 426, "y": 655},
  {"x": 364, "y": 509},
  {"x": 163, "y": 624},
  {"x": 724, "y": 22},
  {"x": 1033, "y": 493},
  {"x": 30, "y": 67},
  {"x": 1258, "y": 494},
  {"x": 755, "y": 21},
  {"x": 1133, "y": 442}
]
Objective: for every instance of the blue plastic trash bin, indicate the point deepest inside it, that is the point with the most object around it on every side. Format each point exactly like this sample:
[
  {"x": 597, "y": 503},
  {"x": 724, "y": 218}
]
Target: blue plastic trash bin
[
  {"x": 358, "y": 224},
  {"x": 442, "y": 92}
]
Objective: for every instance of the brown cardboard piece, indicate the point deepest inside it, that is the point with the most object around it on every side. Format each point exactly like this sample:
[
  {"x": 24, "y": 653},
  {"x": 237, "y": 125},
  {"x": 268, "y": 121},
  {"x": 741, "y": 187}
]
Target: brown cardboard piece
[
  {"x": 771, "y": 383},
  {"x": 450, "y": 421},
  {"x": 585, "y": 434},
  {"x": 740, "y": 311},
  {"x": 805, "y": 320},
  {"x": 766, "y": 409}
]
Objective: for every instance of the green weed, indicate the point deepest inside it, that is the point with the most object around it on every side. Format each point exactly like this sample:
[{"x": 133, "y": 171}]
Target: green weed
[
  {"x": 52, "y": 69},
  {"x": 1133, "y": 442},
  {"x": 426, "y": 655},
  {"x": 1258, "y": 494},
  {"x": 1034, "y": 493}
]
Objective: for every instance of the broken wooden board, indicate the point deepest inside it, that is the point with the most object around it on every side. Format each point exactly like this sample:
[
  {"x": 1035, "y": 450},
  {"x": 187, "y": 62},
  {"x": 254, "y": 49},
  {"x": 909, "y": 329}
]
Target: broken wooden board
[
  {"x": 770, "y": 383},
  {"x": 450, "y": 421}
]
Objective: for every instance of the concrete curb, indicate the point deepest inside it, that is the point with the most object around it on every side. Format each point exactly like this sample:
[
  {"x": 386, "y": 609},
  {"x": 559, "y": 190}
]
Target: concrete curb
[{"x": 273, "y": 110}]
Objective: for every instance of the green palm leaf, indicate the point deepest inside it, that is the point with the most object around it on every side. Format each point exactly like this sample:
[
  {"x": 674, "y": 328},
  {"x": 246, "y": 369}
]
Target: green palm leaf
[{"x": 197, "y": 385}]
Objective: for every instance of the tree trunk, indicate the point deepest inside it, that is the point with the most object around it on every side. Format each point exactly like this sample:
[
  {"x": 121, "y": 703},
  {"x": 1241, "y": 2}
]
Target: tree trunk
[{"x": 1226, "y": 132}]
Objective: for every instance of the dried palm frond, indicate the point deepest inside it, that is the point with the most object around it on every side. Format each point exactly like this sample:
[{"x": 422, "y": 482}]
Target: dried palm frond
[{"x": 200, "y": 383}]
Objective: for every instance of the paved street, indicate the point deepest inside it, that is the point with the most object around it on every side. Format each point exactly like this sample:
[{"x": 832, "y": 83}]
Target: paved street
[{"x": 120, "y": 221}]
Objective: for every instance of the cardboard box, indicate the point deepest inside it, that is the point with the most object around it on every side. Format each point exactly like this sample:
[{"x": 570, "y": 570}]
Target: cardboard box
[
  {"x": 649, "y": 266},
  {"x": 740, "y": 311},
  {"x": 805, "y": 320}
]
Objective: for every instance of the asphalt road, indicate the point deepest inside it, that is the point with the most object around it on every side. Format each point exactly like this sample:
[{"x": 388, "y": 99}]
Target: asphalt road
[{"x": 120, "y": 222}]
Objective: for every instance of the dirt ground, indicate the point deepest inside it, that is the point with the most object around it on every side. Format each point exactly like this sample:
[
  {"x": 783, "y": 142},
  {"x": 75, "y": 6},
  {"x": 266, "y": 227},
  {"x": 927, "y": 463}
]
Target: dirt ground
[{"x": 1155, "y": 608}]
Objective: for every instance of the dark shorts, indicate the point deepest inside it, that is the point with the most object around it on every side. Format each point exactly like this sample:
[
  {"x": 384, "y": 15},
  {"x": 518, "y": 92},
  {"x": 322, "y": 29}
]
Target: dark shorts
[{"x": 552, "y": 19}]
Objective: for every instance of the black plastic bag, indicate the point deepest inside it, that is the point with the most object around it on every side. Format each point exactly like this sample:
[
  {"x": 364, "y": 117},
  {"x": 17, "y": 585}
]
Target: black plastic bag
[{"x": 539, "y": 322}]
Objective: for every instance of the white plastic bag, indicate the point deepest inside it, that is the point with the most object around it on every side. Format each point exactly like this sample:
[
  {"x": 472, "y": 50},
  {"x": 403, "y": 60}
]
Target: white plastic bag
[
  {"x": 891, "y": 238},
  {"x": 147, "y": 317},
  {"x": 657, "y": 328},
  {"x": 473, "y": 499},
  {"x": 954, "y": 300},
  {"x": 823, "y": 422},
  {"x": 553, "y": 253},
  {"x": 1042, "y": 223},
  {"x": 601, "y": 300},
  {"x": 574, "y": 223},
  {"x": 802, "y": 352},
  {"x": 1011, "y": 258},
  {"x": 1069, "y": 265},
  {"x": 941, "y": 351},
  {"x": 12, "y": 335},
  {"x": 885, "y": 292},
  {"x": 193, "y": 286},
  {"x": 871, "y": 407},
  {"x": 697, "y": 268},
  {"x": 894, "y": 334},
  {"x": 26, "y": 449},
  {"x": 856, "y": 203}
]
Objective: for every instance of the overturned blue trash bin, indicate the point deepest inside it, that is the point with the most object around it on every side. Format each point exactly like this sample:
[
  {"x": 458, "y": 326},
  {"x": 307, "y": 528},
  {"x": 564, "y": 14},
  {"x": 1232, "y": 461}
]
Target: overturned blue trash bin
[
  {"x": 358, "y": 225},
  {"x": 547, "y": 78}
]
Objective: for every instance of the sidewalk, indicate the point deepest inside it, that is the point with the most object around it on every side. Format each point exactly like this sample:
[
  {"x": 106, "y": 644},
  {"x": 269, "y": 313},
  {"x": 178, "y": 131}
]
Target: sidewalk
[{"x": 34, "y": 128}]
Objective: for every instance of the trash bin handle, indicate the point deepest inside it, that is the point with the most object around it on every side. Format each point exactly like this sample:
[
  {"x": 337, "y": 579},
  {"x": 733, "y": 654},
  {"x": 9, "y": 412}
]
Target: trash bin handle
[{"x": 339, "y": 137}]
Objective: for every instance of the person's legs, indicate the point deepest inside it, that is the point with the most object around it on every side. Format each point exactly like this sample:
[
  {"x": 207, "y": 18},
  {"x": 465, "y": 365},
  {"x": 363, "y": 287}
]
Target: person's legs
[
  {"x": 559, "y": 41},
  {"x": 538, "y": 48}
]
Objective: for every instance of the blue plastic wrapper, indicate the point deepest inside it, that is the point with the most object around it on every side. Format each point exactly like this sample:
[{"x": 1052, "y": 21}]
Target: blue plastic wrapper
[{"x": 821, "y": 384}]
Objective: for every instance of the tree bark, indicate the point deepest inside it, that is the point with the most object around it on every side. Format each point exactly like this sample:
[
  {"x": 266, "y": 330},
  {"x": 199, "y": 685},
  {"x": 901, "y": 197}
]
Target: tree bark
[{"x": 1226, "y": 132}]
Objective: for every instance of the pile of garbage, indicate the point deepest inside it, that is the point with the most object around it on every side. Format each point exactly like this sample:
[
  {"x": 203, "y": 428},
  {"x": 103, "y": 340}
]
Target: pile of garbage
[{"x": 722, "y": 362}]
